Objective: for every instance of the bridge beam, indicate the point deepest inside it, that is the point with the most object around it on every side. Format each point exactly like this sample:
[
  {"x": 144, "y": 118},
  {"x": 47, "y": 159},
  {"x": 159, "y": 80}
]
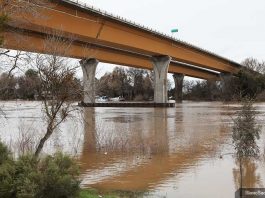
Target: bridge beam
[
  {"x": 160, "y": 65},
  {"x": 34, "y": 42},
  {"x": 89, "y": 67},
  {"x": 178, "y": 79}
]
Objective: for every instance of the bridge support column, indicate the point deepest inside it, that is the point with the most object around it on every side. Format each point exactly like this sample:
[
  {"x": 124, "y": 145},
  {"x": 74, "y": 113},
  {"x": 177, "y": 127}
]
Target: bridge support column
[
  {"x": 211, "y": 87},
  {"x": 178, "y": 79},
  {"x": 161, "y": 64},
  {"x": 227, "y": 85},
  {"x": 89, "y": 71},
  {"x": 226, "y": 79}
]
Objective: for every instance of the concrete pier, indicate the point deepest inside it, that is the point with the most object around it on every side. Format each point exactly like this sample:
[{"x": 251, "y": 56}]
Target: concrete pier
[
  {"x": 211, "y": 85},
  {"x": 89, "y": 71},
  {"x": 160, "y": 64},
  {"x": 226, "y": 79},
  {"x": 178, "y": 79},
  {"x": 227, "y": 85}
]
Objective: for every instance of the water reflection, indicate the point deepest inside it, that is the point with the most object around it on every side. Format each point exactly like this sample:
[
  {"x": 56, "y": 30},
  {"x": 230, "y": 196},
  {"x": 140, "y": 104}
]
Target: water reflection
[
  {"x": 167, "y": 152},
  {"x": 151, "y": 147},
  {"x": 90, "y": 132},
  {"x": 251, "y": 178},
  {"x": 147, "y": 136}
]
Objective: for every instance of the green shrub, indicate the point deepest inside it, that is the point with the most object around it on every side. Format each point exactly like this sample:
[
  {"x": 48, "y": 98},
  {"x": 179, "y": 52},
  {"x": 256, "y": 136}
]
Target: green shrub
[
  {"x": 59, "y": 177},
  {"x": 4, "y": 153},
  {"x": 7, "y": 172},
  {"x": 28, "y": 177}
]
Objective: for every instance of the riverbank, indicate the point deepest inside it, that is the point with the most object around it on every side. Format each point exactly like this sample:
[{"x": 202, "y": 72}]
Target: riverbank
[{"x": 93, "y": 193}]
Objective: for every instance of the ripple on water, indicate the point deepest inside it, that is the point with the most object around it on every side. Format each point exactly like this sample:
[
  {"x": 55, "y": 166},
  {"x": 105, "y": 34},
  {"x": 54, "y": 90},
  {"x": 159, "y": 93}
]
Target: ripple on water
[{"x": 162, "y": 151}]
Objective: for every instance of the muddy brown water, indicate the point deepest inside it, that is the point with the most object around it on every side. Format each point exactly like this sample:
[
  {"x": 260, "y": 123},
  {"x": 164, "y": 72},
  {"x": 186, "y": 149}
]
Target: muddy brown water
[{"x": 156, "y": 152}]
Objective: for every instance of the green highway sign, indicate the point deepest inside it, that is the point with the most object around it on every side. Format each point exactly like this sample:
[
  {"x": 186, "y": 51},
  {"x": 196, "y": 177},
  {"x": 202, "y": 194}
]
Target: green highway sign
[{"x": 174, "y": 30}]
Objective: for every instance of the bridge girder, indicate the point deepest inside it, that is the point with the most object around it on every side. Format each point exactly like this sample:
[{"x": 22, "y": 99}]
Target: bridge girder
[
  {"x": 88, "y": 26},
  {"x": 35, "y": 42}
]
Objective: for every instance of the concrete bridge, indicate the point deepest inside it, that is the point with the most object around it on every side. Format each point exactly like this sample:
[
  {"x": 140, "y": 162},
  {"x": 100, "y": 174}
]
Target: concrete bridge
[{"x": 112, "y": 39}]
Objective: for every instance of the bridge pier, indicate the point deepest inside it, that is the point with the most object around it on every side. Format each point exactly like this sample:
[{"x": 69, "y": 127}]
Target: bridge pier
[
  {"x": 89, "y": 71},
  {"x": 178, "y": 79},
  {"x": 160, "y": 64},
  {"x": 227, "y": 85},
  {"x": 211, "y": 87}
]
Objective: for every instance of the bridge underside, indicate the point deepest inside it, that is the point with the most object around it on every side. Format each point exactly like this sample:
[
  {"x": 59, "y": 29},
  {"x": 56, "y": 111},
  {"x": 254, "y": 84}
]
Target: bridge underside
[
  {"x": 35, "y": 42},
  {"x": 90, "y": 26},
  {"x": 102, "y": 37}
]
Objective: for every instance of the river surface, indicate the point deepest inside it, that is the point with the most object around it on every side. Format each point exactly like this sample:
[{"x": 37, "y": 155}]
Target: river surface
[{"x": 156, "y": 152}]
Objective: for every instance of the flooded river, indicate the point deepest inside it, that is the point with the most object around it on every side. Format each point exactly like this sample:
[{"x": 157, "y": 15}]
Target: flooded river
[{"x": 156, "y": 152}]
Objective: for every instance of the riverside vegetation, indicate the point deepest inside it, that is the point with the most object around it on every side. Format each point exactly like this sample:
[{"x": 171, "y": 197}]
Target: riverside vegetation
[
  {"x": 246, "y": 133},
  {"x": 137, "y": 84},
  {"x": 53, "y": 176}
]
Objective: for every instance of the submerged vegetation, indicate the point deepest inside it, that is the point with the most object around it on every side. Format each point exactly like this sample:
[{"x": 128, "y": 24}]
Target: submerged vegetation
[{"x": 246, "y": 133}]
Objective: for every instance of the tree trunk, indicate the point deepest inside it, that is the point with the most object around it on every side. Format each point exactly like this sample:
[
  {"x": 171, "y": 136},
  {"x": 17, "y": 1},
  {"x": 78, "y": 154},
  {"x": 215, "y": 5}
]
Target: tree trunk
[
  {"x": 241, "y": 177},
  {"x": 42, "y": 142}
]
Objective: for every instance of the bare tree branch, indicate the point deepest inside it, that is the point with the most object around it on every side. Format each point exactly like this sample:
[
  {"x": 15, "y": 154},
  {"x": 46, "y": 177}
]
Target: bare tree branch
[{"x": 58, "y": 85}]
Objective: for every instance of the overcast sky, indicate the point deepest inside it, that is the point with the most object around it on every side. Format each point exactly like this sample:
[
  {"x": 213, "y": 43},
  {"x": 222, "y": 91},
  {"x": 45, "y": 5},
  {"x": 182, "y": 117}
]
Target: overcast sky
[
  {"x": 231, "y": 28},
  {"x": 234, "y": 29}
]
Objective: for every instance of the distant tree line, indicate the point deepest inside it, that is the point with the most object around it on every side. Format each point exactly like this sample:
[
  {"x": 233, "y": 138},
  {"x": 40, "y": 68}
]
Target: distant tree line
[
  {"x": 138, "y": 84},
  {"x": 249, "y": 83},
  {"x": 132, "y": 84},
  {"x": 26, "y": 87}
]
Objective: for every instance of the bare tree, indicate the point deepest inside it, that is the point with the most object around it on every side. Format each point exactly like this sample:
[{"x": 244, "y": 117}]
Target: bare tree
[
  {"x": 10, "y": 8},
  {"x": 58, "y": 84},
  {"x": 254, "y": 65}
]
